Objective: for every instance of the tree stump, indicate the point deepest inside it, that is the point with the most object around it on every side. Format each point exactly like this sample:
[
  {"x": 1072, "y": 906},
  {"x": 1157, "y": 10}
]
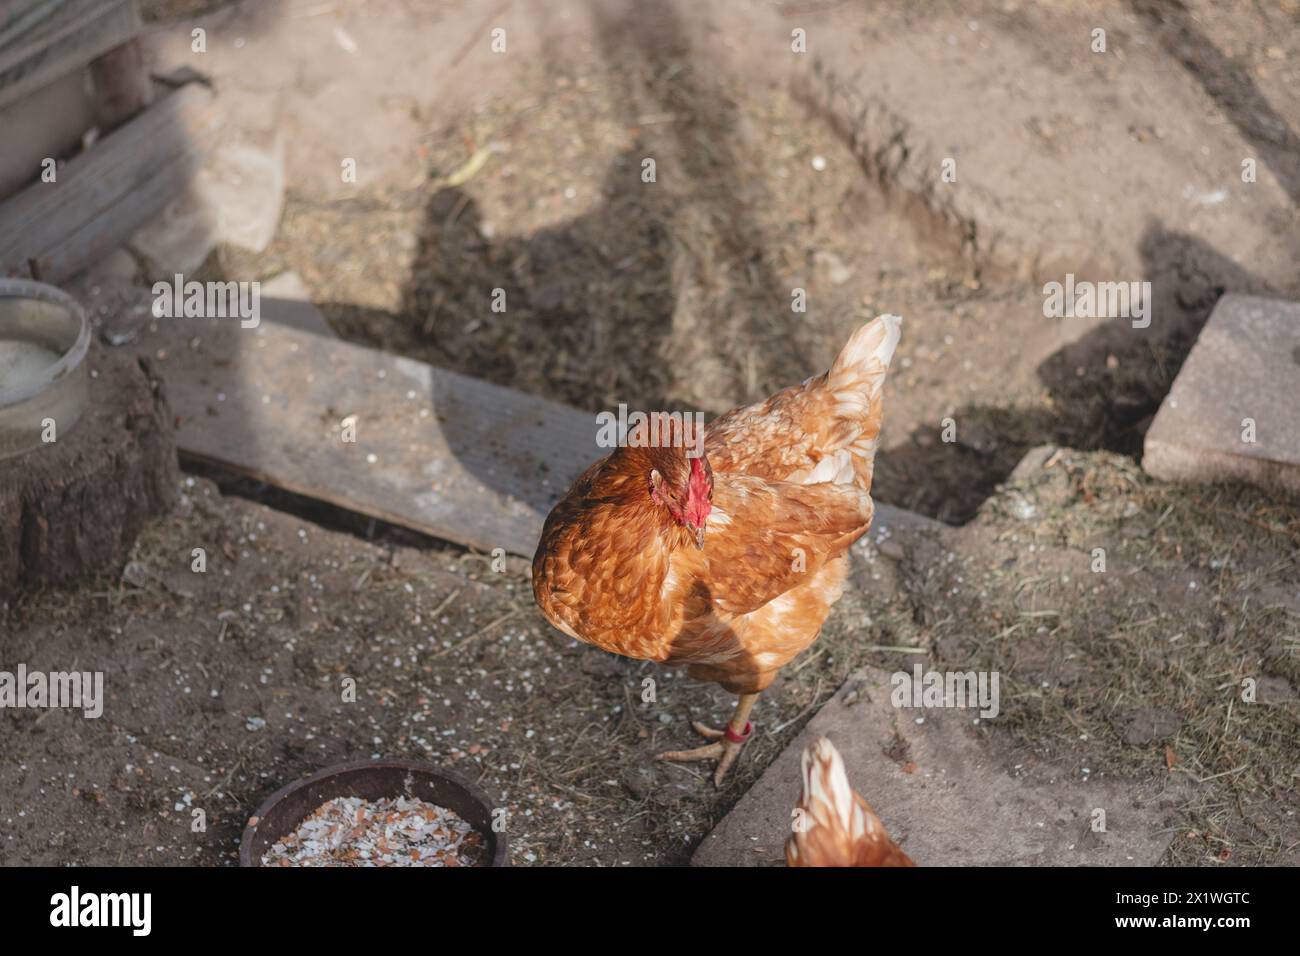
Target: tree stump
[{"x": 73, "y": 508}]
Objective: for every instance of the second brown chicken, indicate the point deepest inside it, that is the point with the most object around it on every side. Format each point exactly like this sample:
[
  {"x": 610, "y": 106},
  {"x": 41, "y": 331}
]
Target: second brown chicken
[{"x": 833, "y": 825}]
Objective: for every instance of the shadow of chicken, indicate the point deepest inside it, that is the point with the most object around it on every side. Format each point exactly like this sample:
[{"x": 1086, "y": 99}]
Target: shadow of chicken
[{"x": 723, "y": 554}]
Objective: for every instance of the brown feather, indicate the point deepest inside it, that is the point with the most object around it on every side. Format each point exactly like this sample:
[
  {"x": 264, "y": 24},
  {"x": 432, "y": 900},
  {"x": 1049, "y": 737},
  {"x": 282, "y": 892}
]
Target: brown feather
[{"x": 833, "y": 825}]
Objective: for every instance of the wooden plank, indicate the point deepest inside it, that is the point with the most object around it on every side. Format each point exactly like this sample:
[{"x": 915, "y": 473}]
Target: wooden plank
[
  {"x": 105, "y": 194},
  {"x": 43, "y": 40},
  {"x": 122, "y": 84},
  {"x": 48, "y": 122},
  {"x": 442, "y": 453},
  {"x": 454, "y": 457}
]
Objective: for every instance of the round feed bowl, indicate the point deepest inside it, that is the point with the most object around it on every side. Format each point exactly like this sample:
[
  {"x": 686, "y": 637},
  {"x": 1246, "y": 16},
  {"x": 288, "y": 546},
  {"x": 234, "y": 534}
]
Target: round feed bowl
[
  {"x": 371, "y": 780},
  {"x": 44, "y": 337}
]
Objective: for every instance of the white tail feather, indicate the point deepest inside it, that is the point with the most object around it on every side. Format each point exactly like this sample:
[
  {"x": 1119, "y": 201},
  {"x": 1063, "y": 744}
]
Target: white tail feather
[
  {"x": 855, "y": 381},
  {"x": 865, "y": 359},
  {"x": 826, "y": 790}
]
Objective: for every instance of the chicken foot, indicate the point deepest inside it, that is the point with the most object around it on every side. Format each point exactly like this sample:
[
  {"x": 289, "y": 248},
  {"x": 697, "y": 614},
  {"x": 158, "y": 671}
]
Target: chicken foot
[{"x": 727, "y": 743}]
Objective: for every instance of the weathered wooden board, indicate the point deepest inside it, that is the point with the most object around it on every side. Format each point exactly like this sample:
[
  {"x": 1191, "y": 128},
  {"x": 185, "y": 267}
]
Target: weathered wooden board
[
  {"x": 42, "y": 40},
  {"x": 47, "y": 122},
  {"x": 452, "y": 456},
  {"x": 103, "y": 195},
  {"x": 122, "y": 84}
]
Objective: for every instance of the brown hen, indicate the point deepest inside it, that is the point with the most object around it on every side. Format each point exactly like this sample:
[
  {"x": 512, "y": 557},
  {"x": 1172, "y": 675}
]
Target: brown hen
[
  {"x": 833, "y": 826},
  {"x": 726, "y": 561}
]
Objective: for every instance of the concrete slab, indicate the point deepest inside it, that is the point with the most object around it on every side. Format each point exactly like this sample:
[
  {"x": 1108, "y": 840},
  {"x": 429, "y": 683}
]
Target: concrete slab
[
  {"x": 1231, "y": 414},
  {"x": 236, "y": 197},
  {"x": 963, "y": 803},
  {"x": 179, "y": 238}
]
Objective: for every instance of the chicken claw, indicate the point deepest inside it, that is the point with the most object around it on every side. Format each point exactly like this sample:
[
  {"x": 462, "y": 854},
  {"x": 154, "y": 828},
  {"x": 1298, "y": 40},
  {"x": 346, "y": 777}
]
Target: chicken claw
[
  {"x": 726, "y": 744},
  {"x": 707, "y": 732}
]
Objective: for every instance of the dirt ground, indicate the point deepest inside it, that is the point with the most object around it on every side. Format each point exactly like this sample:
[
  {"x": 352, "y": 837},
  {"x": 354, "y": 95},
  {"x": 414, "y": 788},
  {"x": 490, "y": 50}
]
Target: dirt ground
[
  {"x": 226, "y": 685},
  {"x": 678, "y": 294},
  {"x": 222, "y": 686}
]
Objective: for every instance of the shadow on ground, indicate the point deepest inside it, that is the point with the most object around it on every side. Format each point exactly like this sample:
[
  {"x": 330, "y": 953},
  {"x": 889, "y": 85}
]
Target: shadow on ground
[{"x": 1103, "y": 389}]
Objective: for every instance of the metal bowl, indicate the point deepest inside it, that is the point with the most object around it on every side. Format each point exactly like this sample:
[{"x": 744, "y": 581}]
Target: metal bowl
[
  {"x": 277, "y": 817},
  {"x": 44, "y": 337}
]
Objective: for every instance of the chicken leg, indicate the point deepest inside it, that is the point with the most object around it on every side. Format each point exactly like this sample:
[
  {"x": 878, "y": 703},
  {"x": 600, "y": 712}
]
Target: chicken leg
[{"x": 726, "y": 743}]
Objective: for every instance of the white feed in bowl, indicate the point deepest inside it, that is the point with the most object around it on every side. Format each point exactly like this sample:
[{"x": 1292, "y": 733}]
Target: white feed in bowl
[{"x": 403, "y": 831}]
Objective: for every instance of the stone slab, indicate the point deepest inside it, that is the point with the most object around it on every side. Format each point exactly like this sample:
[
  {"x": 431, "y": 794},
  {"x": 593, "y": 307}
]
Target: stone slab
[
  {"x": 965, "y": 801},
  {"x": 236, "y": 197},
  {"x": 1241, "y": 381}
]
